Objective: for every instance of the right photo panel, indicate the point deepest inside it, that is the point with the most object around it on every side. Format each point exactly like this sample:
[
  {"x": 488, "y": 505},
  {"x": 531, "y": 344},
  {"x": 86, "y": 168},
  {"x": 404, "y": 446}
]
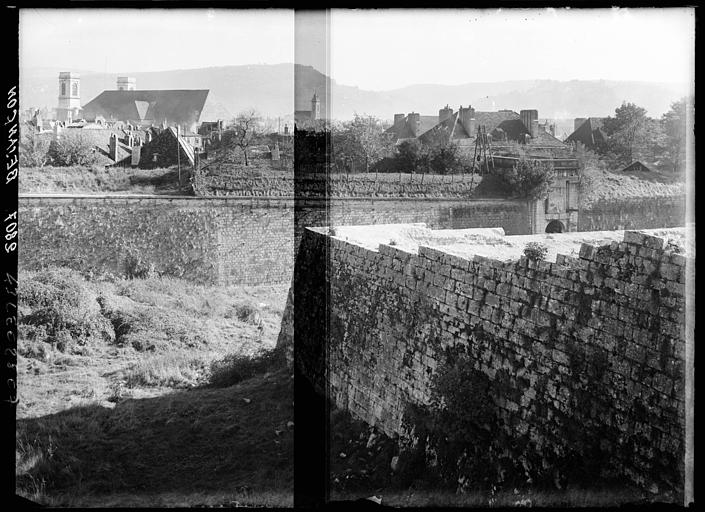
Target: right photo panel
[{"x": 495, "y": 251}]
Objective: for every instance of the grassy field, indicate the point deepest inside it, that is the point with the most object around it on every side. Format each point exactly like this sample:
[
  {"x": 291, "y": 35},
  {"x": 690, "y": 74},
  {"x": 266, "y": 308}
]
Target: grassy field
[
  {"x": 151, "y": 392},
  {"x": 96, "y": 180}
]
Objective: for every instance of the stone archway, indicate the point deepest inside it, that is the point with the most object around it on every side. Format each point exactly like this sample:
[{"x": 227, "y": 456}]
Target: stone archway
[{"x": 555, "y": 226}]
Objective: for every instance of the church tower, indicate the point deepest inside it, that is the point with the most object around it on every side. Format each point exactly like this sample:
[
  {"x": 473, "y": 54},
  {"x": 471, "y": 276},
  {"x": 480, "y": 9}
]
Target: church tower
[
  {"x": 69, "y": 107},
  {"x": 315, "y": 107}
]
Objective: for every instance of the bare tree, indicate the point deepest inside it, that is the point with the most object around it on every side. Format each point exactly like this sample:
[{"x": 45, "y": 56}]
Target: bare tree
[{"x": 245, "y": 130}]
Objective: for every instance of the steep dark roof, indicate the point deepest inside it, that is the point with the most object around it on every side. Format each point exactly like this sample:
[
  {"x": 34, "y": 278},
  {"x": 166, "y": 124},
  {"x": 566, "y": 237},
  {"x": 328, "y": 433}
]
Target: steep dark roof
[
  {"x": 637, "y": 165},
  {"x": 172, "y": 106},
  {"x": 590, "y": 132},
  {"x": 427, "y": 123},
  {"x": 402, "y": 129},
  {"x": 545, "y": 139},
  {"x": 493, "y": 119},
  {"x": 513, "y": 129}
]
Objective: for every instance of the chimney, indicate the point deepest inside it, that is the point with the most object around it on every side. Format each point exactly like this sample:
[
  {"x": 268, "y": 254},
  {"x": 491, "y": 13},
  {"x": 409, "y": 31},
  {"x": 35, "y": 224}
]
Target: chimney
[
  {"x": 126, "y": 83},
  {"x": 113, "y": 147},
  {"x": 578, "y": 121},
  {"x": 445, "y": 113},
  {"x": 527, "y": 118},
  {"x": 130, "y": 140},
  {"x": 414, "y": 121},
  {"x": 398, "y": 118},
  {"x": 534, "y": 128},
  {"x": 466, "y": 117}
]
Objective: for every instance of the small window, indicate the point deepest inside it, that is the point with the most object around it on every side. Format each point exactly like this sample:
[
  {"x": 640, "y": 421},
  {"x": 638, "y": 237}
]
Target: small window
[
  {"x": 74, "y": 89},
  {"x": 63, "y": 88}
]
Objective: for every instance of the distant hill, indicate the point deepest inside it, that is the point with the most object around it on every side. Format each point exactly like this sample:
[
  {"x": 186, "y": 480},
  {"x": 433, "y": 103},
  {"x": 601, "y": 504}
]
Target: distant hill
[{"x": 273, "y": 91}]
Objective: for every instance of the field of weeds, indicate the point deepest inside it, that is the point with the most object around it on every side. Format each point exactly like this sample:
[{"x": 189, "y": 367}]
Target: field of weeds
[
  {"x": 151, "y": 392},
  {"x": 98, "y": 180}
]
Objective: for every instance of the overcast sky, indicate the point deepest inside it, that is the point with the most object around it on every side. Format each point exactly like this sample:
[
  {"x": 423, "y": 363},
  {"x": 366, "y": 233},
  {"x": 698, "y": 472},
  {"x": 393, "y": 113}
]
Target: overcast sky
[
  {"x": 119, "y": 40},
  {"x": 386, "y": 49},
  {"x": 374, "y": 49}
]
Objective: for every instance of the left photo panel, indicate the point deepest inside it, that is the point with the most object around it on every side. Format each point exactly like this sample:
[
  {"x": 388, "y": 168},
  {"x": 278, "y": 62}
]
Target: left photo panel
[{"x": 155, "y": 256}]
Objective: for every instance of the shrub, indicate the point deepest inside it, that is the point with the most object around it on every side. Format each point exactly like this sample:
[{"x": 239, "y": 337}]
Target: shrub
[
  {"x": 34, "y": 148},
  {"x": 62, "y": 309},
  {"x": 535, "y": 251},
  {"x": 529, "y": 179},
  {"x": 453, "y": 434},
  {"x": 249, "y": 314},
  {"x": 151, "y": 328},
  {"x": 173, "y": 369},
  {"x": 236, "y": 368},
  {"x": 72, "y": 148}
]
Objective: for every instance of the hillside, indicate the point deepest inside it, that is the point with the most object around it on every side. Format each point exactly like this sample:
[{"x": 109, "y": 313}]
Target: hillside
[{"x": 275, "y": 89}]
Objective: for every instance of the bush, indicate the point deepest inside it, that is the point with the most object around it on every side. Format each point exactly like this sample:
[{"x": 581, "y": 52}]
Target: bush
[
  {"x": 62, "y": 309},
  {"x": 237, "y": 368},
  {"x": 152, "y": 328},
  {"x": 248, "y": 314},
  {"x": 454, "y": 434},
  {"x": 528, "y": 179},
  {"x": 173, "y": 369},
  {"x": 34, "y": 148},
  {"x": 72, "y": 148},
  {"x": 535, "y": 251}
]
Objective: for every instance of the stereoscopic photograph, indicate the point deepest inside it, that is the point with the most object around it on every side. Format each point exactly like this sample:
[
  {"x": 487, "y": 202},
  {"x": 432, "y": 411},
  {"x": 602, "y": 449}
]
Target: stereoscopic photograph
[{"x": 387, "y": 257}]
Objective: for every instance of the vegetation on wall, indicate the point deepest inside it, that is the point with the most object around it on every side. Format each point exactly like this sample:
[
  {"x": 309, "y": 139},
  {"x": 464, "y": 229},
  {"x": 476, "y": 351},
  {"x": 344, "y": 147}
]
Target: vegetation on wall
[
  {"x": 528, "y": 179},
  {"x": 535, "y": 251}
]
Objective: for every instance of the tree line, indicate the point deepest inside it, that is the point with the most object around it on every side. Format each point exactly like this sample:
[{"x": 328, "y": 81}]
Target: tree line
[{"x": 632, "y": 135}]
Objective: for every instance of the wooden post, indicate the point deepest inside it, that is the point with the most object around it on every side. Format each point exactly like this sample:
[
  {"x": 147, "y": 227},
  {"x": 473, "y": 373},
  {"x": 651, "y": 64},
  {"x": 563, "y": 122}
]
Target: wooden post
[{"x": 178, "y": 153}]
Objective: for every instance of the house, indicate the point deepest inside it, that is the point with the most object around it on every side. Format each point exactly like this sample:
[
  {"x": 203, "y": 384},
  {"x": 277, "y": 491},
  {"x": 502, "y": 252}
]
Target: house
[
  {"x": 589, "y": 132},
  {"x": 637, "y": 166},
  {"x": 503, "y": 126},
  {"x": 161, "y": 150}
]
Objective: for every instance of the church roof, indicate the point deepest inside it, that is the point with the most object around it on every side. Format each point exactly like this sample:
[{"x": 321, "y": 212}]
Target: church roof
[{"x": 173, "y": 106}]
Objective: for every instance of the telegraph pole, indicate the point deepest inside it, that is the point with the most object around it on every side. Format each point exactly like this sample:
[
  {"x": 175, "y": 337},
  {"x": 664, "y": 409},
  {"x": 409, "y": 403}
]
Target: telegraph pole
[{"x": 178, "y": 153}]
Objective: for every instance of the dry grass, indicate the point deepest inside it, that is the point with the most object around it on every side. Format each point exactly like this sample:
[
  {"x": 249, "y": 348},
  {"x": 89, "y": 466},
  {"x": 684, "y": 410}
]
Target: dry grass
[
  {"x": 606, "y": 185},
  {"x": 98, "y": 180},
  {"x": 133, "y": 425}
]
